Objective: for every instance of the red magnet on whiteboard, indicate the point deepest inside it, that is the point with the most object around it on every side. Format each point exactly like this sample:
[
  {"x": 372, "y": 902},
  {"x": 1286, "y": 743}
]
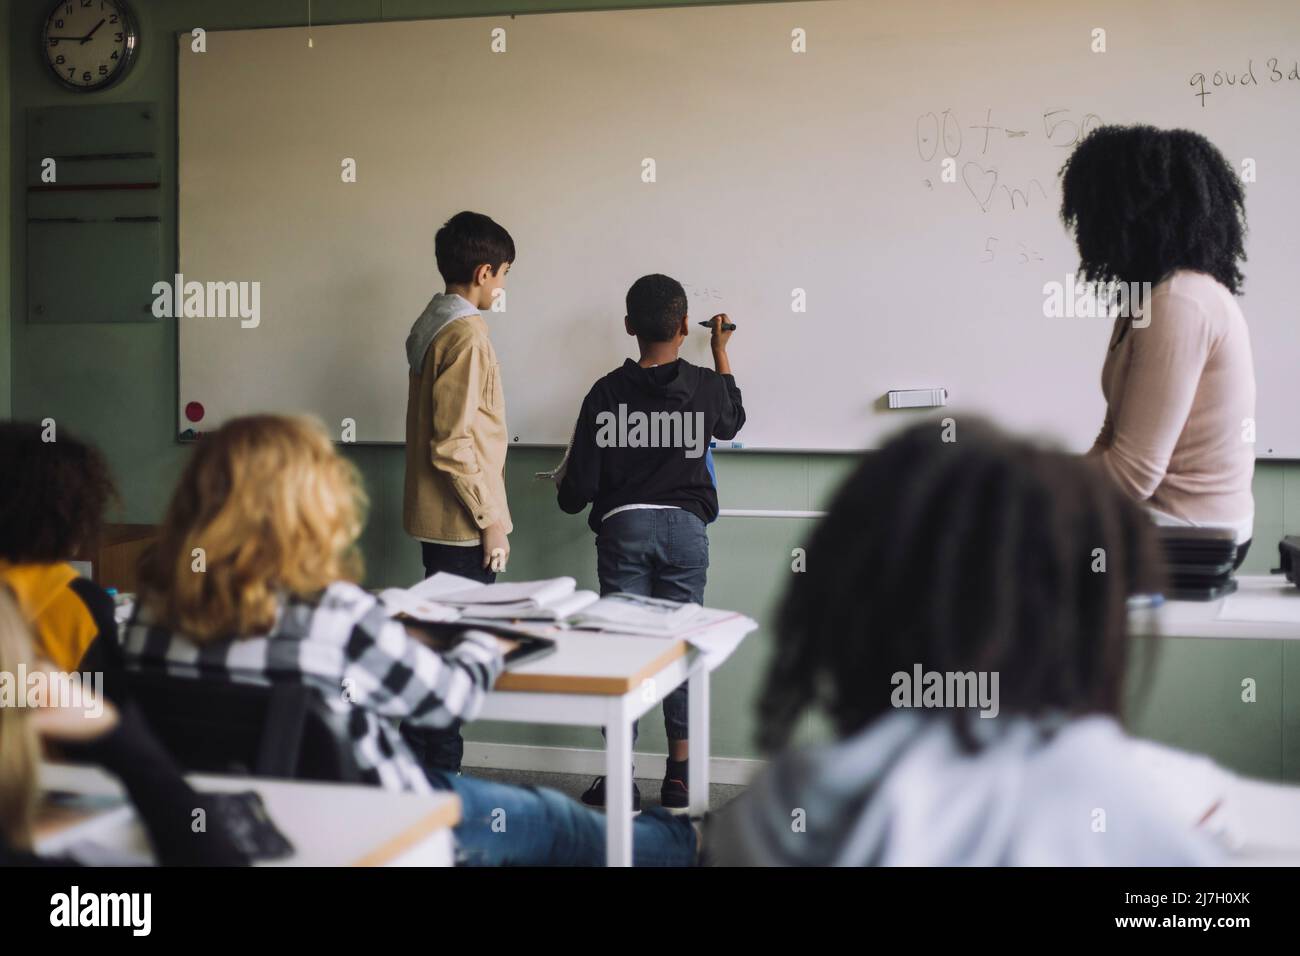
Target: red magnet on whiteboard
[{"x": 194, "y": 411}]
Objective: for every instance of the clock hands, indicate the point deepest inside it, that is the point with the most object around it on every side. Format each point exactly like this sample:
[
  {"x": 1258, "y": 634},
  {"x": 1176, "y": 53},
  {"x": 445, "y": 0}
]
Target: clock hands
[
  {"x": 86, "y": 38},
  {"x": 106, "y": 65}
]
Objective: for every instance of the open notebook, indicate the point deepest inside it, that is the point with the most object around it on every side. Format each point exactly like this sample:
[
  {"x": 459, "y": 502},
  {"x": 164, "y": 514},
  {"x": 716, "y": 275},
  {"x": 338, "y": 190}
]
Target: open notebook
[
  {"x": 549, "y": 599},
  {"x": 635, "y": 614}
]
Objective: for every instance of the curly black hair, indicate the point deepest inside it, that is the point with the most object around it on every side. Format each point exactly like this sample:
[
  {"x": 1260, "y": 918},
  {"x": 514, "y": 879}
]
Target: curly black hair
[
  {"x": 52, "y": 494},
  {"x": 975, "y": 555},
  {"x": 1143, "y": 202},
  {"x": 656, "y": 305}
]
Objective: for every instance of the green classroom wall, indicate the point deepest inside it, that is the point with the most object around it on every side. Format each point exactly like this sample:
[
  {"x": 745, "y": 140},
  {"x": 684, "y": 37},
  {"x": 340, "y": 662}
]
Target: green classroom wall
[
  {"x": 116, "y": 383},
  {"x": 9, "y": 222}
]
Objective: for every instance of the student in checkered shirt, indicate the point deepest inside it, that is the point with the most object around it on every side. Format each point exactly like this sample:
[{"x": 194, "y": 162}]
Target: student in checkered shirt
[{"x": 250, "y": 581}]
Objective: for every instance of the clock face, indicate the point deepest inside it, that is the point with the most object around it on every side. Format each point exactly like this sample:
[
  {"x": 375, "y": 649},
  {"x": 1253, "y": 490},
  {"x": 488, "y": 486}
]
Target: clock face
[{"x": 89, "y": 44}]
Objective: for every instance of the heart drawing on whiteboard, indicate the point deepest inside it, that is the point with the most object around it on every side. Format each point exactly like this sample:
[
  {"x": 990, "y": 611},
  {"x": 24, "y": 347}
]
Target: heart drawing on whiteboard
[{"x": 975, "y": 183}]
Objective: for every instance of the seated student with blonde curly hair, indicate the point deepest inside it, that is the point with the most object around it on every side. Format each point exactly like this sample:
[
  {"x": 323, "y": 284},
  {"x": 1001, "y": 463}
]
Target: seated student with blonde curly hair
[{"x": 275, "y": 513}]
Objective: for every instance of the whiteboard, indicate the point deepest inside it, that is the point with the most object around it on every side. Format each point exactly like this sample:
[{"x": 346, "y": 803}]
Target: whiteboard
[{"x": 774, "y": 171}]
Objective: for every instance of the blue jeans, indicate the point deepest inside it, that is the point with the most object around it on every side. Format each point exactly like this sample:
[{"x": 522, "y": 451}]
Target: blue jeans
[
  {"x": 444, "y": 747},
  {"x": 656, "y": 552},
  {"x": 503, "y": 825}
]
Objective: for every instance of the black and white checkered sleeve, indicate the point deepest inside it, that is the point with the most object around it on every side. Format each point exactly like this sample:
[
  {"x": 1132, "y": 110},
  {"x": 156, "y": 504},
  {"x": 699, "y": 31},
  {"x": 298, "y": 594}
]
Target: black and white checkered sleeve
[{"x": 390, "y": 673}]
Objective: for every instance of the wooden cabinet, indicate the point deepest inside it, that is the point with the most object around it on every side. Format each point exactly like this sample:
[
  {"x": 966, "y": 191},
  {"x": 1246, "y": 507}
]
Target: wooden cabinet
[{"x": 114, "y": 558}]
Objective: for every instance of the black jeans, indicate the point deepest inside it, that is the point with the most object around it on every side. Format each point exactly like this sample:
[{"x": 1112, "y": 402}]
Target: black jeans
[
  {"x": 467, "y": 562},
  {"x": 444, "y": 748}
]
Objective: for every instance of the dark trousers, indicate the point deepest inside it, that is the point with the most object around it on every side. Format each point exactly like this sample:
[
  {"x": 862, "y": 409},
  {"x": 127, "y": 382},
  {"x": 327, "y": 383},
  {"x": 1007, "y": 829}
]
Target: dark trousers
[
  {"x": 659, "y": 552},
  {"x": 444, "y": 748}
]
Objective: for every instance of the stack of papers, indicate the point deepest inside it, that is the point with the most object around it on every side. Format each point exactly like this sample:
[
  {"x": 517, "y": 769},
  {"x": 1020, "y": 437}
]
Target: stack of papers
[
  {"x": 716, "y": 633},
  {"x": 409, "y": 604},
  {"x": 712, "y": 632},
  {"x": 545, "y": 606},
  {"x": 551, "y": 599},
  {"x": 634, "y": 614}
]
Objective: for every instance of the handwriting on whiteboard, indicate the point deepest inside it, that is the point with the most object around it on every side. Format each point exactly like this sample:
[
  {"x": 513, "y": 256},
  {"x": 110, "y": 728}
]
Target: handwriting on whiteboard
[
  {"x": 1024, "y": 254},
  {"x": 696, "y": 292},
  {"x": 1273, "y": 71},
  {"x": 982, "y": 183},
  {"x": 1061, "y": 128}
]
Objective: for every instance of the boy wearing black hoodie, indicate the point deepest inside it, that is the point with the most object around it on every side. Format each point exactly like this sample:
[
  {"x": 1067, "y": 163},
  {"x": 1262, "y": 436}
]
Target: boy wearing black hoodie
[{"x": 639, "y": 457}]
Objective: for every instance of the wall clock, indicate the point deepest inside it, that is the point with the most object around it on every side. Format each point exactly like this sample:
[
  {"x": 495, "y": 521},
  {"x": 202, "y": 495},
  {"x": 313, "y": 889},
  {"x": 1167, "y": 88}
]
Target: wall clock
[{"x": 90, "y": 44}]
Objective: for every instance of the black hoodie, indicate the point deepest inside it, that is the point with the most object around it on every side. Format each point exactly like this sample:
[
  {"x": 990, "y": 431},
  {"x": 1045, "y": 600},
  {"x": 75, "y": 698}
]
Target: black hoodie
[{"x": 627, "y": 451}]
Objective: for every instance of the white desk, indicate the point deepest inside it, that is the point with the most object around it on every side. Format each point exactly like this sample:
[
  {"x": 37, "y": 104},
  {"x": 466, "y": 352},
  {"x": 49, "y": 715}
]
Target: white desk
[
  {"x": 1196, "y": 701},
  {"x": 1272, "y": 815},
  {"x": 609, "y": 680},
  {"x": 1202, "y": 618},
  {"x": 329, "y": 824}
]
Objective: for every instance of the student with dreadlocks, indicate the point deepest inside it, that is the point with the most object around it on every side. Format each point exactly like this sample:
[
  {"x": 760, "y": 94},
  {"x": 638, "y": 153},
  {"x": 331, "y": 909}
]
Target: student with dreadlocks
[
  {"x": 974, "y": 556},
  {"x": 1164, "y": 207}
]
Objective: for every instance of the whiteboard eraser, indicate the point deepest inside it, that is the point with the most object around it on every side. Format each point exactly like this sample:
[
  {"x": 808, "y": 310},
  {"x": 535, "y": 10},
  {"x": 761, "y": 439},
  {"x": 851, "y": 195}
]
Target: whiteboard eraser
[{"x": 918, "y": 397}]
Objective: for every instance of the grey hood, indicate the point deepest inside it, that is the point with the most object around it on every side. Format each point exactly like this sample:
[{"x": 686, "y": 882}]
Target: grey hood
[
  {"x": 904, "y": 792},
  {"x": 442, "y": 309}
]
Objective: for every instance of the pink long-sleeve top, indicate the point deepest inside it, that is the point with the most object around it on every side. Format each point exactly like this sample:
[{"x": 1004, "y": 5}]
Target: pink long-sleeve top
[{"x": 1180, "y": 407}]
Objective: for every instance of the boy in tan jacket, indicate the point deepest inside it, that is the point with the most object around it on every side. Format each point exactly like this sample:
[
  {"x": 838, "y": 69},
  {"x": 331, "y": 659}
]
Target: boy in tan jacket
[{"x": 455, "y": 496}]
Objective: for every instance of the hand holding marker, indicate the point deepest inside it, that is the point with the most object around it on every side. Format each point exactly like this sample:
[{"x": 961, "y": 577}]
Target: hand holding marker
[
  {"x": 721, "y": 330},
  {"x": 726, "y": 326}
]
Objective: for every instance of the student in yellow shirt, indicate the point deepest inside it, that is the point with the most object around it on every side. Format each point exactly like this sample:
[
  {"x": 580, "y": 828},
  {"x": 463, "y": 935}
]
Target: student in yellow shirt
[{"x": 55, "y": 493}]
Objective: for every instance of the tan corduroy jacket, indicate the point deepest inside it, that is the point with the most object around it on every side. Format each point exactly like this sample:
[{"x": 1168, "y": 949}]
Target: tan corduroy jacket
[{"x": 455, "y": 433}]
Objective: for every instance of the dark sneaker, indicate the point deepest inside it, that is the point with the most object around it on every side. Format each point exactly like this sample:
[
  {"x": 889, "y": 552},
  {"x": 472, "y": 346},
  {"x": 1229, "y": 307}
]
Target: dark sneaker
[
  {"x": 674, "y": 795},
  {"x": 595, "y": 795}
]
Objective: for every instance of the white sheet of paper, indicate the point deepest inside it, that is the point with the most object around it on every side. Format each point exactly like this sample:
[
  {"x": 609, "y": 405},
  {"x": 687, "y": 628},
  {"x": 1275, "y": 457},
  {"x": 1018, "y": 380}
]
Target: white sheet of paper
[
  {"x": 438, "y": 586},
  {"x": 1282, "y": 607},
  {"x": 400, "y": 601},
  {"x": 541, "y": 593}
]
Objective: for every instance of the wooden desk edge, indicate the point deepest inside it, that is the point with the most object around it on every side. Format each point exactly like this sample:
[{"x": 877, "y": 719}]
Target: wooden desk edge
[
  {"x": 588, "y": 684},
  {"x": 443, "y": 818}
]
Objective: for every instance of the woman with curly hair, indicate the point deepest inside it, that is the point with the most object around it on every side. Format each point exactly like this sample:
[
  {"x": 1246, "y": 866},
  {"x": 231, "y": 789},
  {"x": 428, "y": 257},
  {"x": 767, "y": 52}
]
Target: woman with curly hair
[
  {"x": 1165, "y": 207},
  {"x": 53, "y": 502}
]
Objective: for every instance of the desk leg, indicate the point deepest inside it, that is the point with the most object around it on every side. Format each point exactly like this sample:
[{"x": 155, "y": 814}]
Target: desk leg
[
  {"x": 698, "y": 722},
  {"x": 618, "y": 788}
]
